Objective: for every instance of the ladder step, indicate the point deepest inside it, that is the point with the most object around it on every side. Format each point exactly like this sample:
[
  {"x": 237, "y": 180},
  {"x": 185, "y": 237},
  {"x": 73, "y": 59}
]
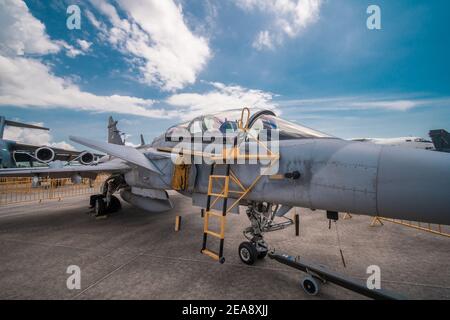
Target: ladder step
[
  {"x": 215, "y": 214},
  {"x": 219, "y": 176},
  {"x": 211, "y": 254},
  {"x": 214, "y": 234},
  {"x": 219, "y": 195}
]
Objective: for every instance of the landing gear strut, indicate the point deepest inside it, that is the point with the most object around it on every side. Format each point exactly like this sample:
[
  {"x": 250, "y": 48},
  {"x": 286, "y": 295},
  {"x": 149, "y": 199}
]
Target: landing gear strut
[
  {"x": 106, "y": 203},
  {"x": 261, "y": 216}
]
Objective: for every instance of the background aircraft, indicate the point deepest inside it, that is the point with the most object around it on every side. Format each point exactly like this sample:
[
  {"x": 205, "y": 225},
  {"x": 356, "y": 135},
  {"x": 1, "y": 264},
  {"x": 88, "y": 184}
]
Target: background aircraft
[
  {"x": 310, "y": 169},
  {"x": 14, "y": 154},
  {"x": 441, "y": 140},
  {"x": 408, "y": 142}
]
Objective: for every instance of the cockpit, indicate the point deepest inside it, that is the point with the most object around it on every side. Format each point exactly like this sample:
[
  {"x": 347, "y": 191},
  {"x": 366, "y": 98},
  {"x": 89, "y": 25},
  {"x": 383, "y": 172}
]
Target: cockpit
[{"x": 229, "y": 122}]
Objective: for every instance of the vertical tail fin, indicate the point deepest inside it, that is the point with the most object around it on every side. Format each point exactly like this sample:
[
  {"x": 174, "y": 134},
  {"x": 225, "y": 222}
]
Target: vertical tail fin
[
  {"x": 114, "y": 136},
  {"x": 441, "y": 140},
  {"x": 142, "y": 140}
]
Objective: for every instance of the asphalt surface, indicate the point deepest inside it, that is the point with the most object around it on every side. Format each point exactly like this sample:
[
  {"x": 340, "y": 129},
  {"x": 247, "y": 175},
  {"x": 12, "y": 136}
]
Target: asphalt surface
[{"x": 136, "y": 255}]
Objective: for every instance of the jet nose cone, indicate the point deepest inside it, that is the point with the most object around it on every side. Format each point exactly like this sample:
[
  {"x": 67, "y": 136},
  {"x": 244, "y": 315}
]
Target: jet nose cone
[{"x": 414, "y": 185}]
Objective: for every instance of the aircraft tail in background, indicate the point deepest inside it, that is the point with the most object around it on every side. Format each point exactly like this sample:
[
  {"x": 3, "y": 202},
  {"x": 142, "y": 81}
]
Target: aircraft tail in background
[
  {"x": 4, "y": 123},
  {"x": 114, "y": 136},
  {"x": 441, "y": 140}
]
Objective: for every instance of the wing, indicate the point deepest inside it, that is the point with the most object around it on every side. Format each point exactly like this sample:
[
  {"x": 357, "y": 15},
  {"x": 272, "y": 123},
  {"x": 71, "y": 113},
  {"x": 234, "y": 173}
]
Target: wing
[
  {"x": 126, "y": 153},
  {"x": 112, "y": 166},
  {"x": 23, "y": 150}
]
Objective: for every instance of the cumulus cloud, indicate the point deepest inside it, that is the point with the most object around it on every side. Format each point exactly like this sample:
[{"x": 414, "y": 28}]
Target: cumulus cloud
[
  {"x": 220, "y": 98},
  {"x": 263, "y": 41},
  {"x": 155, "y": 32},
  {"x": 84, "y": 45},
  {"x": 28, "y": 82},
  {"x": 22, "y": 33},
  {"x": 34, "y": 137},
  {"x": 361, "y": 103},
  {"x": 288, "y": 18}
]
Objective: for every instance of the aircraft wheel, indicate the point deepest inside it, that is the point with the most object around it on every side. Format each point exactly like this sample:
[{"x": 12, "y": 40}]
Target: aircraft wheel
[
  {"x": 114, "y": 204},
  {"x": 262, "y": 254},
  {"x": 92, "y": 200},
  {"x": 310, "y": 285},
  {"x": 100, "y": 207},
  {"x": 248, "y": 253}
]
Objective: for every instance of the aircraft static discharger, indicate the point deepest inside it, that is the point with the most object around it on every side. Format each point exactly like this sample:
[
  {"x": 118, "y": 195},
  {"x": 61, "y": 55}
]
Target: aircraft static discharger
[{"x": 307, "y": 168}]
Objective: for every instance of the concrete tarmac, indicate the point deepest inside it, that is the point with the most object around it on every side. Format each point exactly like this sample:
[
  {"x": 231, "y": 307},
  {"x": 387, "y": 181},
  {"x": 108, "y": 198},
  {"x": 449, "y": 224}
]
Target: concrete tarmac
[{"x": 133, "y": 254}]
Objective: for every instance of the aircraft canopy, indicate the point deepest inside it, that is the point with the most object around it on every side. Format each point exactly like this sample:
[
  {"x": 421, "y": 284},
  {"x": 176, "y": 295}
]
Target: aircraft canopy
[{"x": 227, "y": 122}]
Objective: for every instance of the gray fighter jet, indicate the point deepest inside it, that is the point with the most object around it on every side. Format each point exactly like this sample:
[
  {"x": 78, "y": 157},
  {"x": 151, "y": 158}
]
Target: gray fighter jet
[
  {"x": 266, "y": 165},
  {"x": 14, "y": 154}
]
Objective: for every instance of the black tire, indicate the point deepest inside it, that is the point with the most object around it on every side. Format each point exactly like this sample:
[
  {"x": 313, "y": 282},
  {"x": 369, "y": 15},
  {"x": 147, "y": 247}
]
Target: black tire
[
  {"x": 248, "y": 253},
  {"x": 93, "y": 198},
  {"x": 262, "y": 254},
  {"x": 100, "y": 207},
  {"x": 114, "y": 205}
]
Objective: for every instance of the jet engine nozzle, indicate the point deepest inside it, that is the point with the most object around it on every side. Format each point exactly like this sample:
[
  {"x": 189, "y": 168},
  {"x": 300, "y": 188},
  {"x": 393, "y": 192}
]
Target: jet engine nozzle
[
  {"x": 44, "y": 154},
  {"x": 86, "y": 158}
]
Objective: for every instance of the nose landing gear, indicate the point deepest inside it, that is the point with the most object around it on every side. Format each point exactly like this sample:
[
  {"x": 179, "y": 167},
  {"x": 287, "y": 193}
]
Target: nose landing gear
[{"x": 261, "y": 216}]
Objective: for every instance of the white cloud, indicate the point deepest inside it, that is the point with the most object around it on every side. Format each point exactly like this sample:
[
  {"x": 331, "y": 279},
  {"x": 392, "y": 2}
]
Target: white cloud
[
  {"x": 263, "y": 41},
  {"x": 28, "y": 82},
  {"x": 84, "y": 45},
  {"x": 288, "y": 17},
  {"x": 71, "y": 51},
  {"x": 362, "y": 103},
  {"x": 34, "y": 137},
  {"x": 20, "y": 32},
  {"x": 155, "y": 32},
  {"x": 220, "y": 98},
  {"x": 62, "y": 145},
  {"x": 131, "y": 144}
]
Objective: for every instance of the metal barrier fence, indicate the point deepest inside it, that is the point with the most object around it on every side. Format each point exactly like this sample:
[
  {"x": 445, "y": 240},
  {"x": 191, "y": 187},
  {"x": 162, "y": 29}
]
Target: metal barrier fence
[
  {"x": 442, "y": 230},
  {"x": 428, "y": 227},
  {"x": 16, "y": 190}
]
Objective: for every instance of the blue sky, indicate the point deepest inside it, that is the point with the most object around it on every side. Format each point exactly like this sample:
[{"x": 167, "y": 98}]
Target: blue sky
[{"x": 153, "y": 63}]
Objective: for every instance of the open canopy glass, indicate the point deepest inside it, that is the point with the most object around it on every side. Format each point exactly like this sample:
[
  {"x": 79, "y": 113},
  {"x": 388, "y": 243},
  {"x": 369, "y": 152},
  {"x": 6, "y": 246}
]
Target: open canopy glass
[{"x": 227, "y": 122}]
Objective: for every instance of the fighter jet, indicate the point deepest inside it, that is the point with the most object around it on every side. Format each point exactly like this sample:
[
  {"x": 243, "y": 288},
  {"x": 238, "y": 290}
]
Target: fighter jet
[
  {"x": 13, "y": 153},
  {"x": 265, "y": 165},
  {"x": 407, "y": 142},
  {"x": 114, "y": 134}
]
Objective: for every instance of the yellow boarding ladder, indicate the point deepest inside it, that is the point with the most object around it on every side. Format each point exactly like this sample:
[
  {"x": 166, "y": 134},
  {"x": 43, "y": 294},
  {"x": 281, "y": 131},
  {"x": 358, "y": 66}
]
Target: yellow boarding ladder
[{"x": 215, "y": 214}]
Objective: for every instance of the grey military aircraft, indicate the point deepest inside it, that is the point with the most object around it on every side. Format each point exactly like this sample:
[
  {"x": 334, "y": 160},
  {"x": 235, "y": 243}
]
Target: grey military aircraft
[
  {"x": 13, "y": 153},
  {"x": 266, "y": 165}
]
